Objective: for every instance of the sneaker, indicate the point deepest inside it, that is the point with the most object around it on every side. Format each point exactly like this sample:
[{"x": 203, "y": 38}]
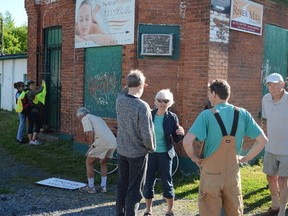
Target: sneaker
[
  {"x": 34, "y": 142},
  {"x": 272, "y": 212},
  {"x": 170, "y": 213},
  {"x": 38, "y": 141},
  {"x": 102, "y": 189},
  {"x": 88, "y": 190},
  {"x": 20, "y": 141}
]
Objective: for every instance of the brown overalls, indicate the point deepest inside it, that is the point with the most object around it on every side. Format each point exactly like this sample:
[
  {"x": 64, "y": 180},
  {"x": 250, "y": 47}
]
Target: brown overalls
[{"x": 220, "y": 182}]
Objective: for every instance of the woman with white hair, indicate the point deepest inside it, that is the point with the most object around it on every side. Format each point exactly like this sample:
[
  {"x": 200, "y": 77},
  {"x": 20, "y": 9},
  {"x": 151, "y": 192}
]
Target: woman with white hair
[
  {"x": 102, "y": 146},
  {"x": 167, "y": 130}
]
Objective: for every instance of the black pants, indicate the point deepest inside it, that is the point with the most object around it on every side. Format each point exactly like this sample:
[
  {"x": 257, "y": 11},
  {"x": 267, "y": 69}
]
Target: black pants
[
  {"x": 130, "y": 182},
  {"x": 34, "y": 121}
]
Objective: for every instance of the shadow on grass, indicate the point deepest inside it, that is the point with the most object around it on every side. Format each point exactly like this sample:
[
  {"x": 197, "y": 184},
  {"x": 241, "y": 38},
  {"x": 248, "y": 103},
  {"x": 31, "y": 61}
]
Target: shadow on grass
[
  {"x": 252, "y": 193},
  {"x": 186, "y": 193},
  {"x": 260, "y": 202},
  {"x": 257, "y": 204},
  {"x": 157, "y": 201}
]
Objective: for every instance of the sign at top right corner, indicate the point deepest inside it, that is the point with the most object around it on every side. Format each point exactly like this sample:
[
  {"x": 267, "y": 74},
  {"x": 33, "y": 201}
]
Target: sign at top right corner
[{"x": 246, "y": 16}]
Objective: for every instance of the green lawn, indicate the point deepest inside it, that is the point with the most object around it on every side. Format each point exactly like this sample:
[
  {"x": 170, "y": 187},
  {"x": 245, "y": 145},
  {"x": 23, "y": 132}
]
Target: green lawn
[{"x": 58, "y": 159}]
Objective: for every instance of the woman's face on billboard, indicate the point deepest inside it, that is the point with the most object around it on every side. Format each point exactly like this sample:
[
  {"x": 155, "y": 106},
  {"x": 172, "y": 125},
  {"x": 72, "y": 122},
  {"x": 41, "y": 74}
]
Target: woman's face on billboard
[{"x": 84, "y": 19}]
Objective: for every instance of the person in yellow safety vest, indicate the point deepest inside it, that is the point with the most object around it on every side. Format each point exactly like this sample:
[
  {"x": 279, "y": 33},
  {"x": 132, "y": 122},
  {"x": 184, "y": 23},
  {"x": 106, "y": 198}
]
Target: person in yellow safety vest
[
  {"x": 20, "y": 104},
  {"x": 22, "y": 117},
  {"x": 34, "y": 96}
]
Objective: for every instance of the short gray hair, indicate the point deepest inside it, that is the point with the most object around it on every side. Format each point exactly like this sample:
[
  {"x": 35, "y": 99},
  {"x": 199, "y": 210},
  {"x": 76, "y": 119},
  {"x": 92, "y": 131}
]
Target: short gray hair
[
  {"x": 165, "y": 94},
  {"x": 82, "y": 111},
  {"x": 135, "y": 78}
]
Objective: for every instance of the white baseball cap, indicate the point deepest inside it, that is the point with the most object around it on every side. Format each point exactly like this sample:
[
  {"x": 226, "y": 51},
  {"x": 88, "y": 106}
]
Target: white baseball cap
[{"x": 274, "y": 78}]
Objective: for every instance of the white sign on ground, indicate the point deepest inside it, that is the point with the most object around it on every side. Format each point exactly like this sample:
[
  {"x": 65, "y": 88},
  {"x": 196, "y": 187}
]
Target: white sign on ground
[{"x": 61, "y": 183}]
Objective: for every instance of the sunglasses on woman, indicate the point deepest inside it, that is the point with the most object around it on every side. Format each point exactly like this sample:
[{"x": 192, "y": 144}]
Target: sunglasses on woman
[{"x": 163, "y": 100}]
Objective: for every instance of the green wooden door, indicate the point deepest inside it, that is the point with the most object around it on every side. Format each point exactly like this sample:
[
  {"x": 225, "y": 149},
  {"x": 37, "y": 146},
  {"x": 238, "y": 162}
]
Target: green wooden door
[
  {"x": 103, "y": 70},
  {"x": 275, "y": 52},
  {"x": 52, "y": 66}
]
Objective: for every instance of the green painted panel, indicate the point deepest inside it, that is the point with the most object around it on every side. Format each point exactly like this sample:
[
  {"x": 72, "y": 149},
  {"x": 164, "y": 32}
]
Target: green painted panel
[
  {"x": 275, "y": 52},
  {"x": 103, "y": 70},
  {"x": 161, "y": 29}
]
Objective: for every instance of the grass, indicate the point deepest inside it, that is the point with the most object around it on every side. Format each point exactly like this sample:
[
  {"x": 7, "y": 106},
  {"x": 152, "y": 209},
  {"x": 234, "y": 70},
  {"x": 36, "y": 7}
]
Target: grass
[
  {"x": 58, "y": 159},
  {"x": 5, "y": 191},
  {"x": 255, "y": 191}
]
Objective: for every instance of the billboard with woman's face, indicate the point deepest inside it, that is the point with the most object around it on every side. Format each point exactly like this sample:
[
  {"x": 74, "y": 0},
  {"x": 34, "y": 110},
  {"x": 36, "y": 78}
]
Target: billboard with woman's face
[{"x": 104, "y": 22}]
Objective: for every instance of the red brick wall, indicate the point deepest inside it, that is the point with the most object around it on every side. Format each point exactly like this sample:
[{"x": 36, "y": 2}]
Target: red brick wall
[
  {"x": 245, "y": 54},
  {"x": 245, "y": 59},
  {"x": 195, "y": 58},
  {"x": 200, "y": 60},
  {"x": 240, "y": 61},
  {"x": 33, "y": 37}
]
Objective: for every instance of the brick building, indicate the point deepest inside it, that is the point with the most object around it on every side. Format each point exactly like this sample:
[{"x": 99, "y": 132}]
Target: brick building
[{"x": 204, "y": 48}]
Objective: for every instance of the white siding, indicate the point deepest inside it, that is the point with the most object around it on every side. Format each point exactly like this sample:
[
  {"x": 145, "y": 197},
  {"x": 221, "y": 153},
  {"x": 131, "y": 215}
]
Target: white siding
[{"x": 11, "y": 70}]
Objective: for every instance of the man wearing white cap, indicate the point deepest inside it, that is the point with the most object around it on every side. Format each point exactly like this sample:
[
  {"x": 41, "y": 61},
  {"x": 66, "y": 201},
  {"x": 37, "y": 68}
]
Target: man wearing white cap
[{"x": 275, "y": 165}]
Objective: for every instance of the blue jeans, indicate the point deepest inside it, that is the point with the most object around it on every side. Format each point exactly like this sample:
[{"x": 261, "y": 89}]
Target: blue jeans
[
  {"x": 21, "y": 127},
  {"x": 130, "y": 180},
  {"x": 161, "y": 163}
]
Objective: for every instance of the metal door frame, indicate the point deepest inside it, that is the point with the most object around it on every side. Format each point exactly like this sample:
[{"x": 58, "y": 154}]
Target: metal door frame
[{"x": 52, "y": 54}]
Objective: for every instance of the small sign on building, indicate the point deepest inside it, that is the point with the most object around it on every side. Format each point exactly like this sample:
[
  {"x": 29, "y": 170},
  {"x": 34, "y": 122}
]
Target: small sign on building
[
  {"x": 221, "y": 6},
  {"x": 246, "y": 16},
  {"x": 157, "y": 44}
]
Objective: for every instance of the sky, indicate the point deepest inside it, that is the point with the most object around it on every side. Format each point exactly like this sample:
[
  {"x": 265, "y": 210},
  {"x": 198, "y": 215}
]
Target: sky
[{"x": 16, "y": 8}]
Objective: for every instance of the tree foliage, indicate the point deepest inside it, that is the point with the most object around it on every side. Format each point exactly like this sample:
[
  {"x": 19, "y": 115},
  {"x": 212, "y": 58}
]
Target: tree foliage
[{"x": 15, "y": 38}]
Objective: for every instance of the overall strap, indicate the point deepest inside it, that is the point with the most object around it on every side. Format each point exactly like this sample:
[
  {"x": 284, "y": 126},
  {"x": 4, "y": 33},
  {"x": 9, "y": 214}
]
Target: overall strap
[
  {"x": 221, "y": 124},
  {"x": 235, "y": 121}
]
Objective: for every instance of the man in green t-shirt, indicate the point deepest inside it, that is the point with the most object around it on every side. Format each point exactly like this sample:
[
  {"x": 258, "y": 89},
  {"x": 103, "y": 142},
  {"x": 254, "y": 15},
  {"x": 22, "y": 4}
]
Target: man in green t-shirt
[{"x": 220, "y": 183}]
